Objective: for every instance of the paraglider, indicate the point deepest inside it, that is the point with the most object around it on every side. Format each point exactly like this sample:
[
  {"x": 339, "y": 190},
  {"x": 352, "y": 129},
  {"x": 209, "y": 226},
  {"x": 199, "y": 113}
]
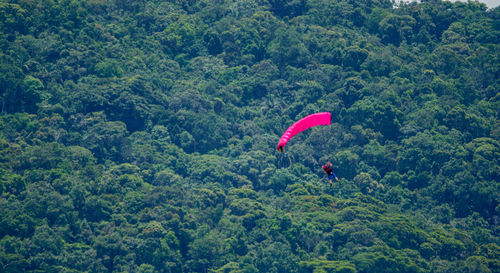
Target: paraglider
[
  {"x": 327, "y": 168},
  {"x": 324, "y": 118},
  {"x": 317, "y": 119}
]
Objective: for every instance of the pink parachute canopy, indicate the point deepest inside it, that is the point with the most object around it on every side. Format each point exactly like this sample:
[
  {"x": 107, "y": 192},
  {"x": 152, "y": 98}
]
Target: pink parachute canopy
[{"x": 324, "y": 118}]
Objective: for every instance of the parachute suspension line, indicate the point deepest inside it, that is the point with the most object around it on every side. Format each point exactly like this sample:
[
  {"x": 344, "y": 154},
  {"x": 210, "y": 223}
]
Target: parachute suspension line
[
  {"x": 280, "y": 161},
  {"x": 285, "y": 160},
  {"x": 291, "y": 160}
]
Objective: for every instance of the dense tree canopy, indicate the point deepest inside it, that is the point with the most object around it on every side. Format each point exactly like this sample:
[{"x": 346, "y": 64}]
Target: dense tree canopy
[{"x": 139, "y": 136}]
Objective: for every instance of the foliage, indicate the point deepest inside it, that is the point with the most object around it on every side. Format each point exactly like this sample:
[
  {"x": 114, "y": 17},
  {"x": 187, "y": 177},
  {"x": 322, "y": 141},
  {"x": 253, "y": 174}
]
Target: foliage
[{"x": 139, "y": 136}]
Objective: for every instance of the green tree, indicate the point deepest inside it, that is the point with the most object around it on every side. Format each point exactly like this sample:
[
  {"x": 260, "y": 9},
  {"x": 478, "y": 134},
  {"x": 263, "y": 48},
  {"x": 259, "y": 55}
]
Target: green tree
[
  {"x": 354, "y": 56},
  {"x": 395, "y": 28},
  {"x": 287, "y": 49}
]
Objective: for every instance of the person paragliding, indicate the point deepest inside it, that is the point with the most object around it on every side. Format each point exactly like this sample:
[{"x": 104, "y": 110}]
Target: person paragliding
[
  {"x": 327, "y": 168},
  {"x": 317, "y": 119}
]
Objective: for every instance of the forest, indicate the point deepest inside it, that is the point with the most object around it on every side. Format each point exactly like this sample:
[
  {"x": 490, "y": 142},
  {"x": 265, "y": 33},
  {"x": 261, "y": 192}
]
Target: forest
[{"x": 140, "y": 136}]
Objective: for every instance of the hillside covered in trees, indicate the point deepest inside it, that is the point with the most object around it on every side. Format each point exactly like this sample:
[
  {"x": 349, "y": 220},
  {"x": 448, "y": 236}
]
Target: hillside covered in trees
[{"x": 140, "y": 136}]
